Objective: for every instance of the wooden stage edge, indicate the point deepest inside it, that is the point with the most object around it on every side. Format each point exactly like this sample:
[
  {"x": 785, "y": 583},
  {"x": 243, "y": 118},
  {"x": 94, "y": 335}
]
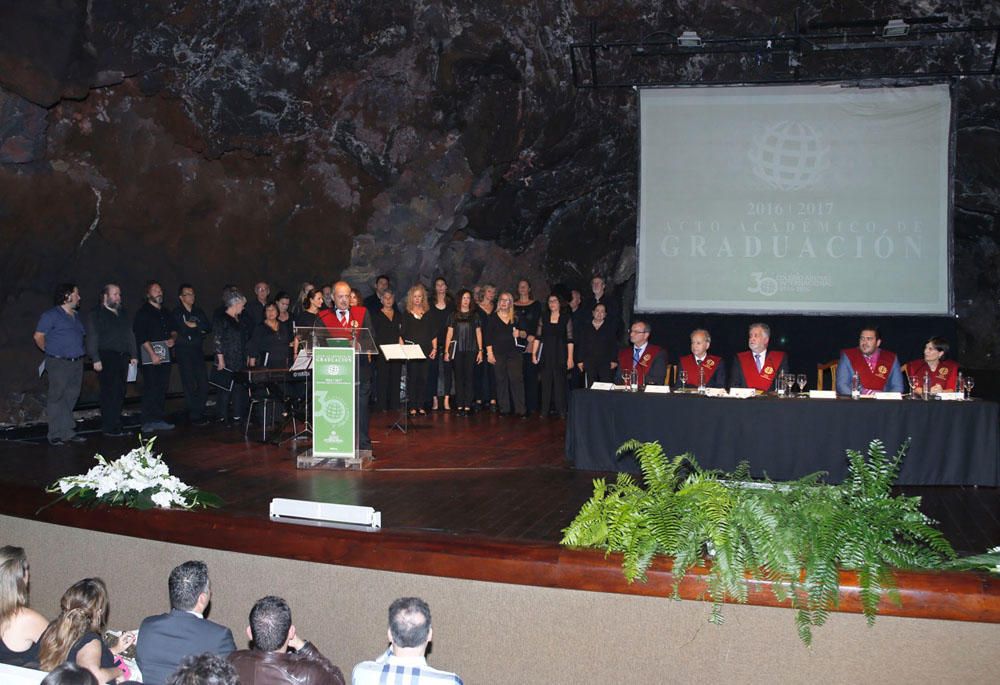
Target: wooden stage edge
[{"x": 965, "y": 596}]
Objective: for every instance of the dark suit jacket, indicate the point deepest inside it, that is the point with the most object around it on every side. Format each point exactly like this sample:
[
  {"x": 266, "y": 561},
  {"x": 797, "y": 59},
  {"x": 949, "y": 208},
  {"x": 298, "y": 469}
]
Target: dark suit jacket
[
  {"x": 653, "y": 372},
  {"x": 166, "y": 639}
]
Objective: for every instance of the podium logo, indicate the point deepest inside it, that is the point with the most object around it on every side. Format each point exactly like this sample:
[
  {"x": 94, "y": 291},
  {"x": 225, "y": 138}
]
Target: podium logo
[
  {"x": 789, "y": 155},
  {"x": 335, "y": 412},
  {"x": 332, "y": 370}
]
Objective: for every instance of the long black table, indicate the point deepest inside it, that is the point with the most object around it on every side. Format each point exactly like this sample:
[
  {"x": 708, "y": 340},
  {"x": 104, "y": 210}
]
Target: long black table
[{"x": 952, "y": 443}]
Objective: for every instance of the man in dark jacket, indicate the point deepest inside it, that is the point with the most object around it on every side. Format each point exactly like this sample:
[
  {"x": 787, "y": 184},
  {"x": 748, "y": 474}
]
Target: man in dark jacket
[
  {"x": 192, "y": 325},
  {"x": 111, "y": 346},
  {"x": 155, "y": 335},
  {"x": 270, "y": 662}
]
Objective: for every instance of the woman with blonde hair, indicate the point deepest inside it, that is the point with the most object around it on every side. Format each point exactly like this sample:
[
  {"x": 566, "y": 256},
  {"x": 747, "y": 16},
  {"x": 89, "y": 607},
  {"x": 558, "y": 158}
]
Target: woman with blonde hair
[
  {"x": 20, "y": 626},
  {"x": 75, "y": 634},
  {"x": 418, "y": 327}
]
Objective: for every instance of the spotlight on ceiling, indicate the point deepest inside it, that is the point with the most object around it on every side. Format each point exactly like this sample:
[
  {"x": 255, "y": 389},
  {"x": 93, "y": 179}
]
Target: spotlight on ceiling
[
  {"x": 895, "y": 28},
  {"x": 689, "y": 39}
]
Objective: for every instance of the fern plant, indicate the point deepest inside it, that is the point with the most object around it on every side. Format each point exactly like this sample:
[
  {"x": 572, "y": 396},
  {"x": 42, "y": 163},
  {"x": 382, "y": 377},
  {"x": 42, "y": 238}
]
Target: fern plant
[{"x": 796, "y": 535}]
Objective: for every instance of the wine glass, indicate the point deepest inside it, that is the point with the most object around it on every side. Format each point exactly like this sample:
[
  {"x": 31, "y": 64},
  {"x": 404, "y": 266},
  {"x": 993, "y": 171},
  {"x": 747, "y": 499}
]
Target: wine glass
[
  {"x": 802, "y": 379},
  {"x": 968, "y": 383},
  {"x": 682, "y": 379},
  {"x": 789, "y": 382},
  {"x": 914, "y": 384},
  {"x": 627, "y": 379}
]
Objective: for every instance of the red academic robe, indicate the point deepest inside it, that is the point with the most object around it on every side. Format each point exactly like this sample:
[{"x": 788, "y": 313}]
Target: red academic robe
[
  {"x": 652, "y": 363},
  {"x": 946, "y": 375},
  {"x": 871, "y": 379},
  {"x": 690, "y": 366},
  {"x": 763, "y": 379}
]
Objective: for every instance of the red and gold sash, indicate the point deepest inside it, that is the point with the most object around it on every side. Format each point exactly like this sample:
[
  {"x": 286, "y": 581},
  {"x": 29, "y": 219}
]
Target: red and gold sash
[
  {"x": 355, "y": 319},
  {"x": 871, "y": 380},
  {"x": 946, "y": 374},
  {"x": 690, "y": 366},
  {"x": 760, "y": 380}
]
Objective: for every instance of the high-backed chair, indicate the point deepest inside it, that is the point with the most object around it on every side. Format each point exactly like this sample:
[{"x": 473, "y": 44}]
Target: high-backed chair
[{"x": 821, "y": 370}]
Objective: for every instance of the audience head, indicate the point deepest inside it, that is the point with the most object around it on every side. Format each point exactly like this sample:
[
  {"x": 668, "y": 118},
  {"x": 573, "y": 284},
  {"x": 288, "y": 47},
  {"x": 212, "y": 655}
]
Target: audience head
[
  {"x": 701, "y": 340},
  {"x": 935, "y": 348},
  {"x": 65, "y": 293},
  {"x": 188, "y": 586},
  {"x": 410, "y": 624},
  {"x": 759, "y": 337},
  {"x": 204, "y": 669},
  {"x": 416, "y": 299},
  {"x": 270, "y": 624},
  {"x": 83, "y": 608},
  {"x": 111, "y": 296},
  {"x": 13, "y": 582},
  {"x": 69, "y": 674}
]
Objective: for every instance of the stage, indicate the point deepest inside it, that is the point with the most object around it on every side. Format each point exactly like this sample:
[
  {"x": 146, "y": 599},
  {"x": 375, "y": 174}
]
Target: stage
[{"x": 472, "y": 512}]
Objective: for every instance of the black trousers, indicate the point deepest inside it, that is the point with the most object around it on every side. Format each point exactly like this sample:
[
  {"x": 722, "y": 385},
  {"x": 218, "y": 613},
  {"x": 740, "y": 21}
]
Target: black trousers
[
  {"x": 553, "y": 384},
  {"x": 155, "y": 379},
  {"x": 529, "y": 373},
  {"x": 364, "y": 400},
  {"x": 510, "y": 383},
  {"x": 239, "y": 396},
  {"x": 112, "y": 377},
  {"x": 465, "y": 380},
  {"x": 416, "y": 381},
  {"x": 486, "y": 383},
  {"x": 194, "y": 377},
  {"x": 387, "y": 378}
]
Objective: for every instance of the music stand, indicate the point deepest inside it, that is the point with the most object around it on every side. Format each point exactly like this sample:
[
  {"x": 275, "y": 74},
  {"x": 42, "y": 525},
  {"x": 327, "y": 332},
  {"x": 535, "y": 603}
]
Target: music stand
[
  {"x": 302, "y": 363},
  {"x": 404, "y": 353}
]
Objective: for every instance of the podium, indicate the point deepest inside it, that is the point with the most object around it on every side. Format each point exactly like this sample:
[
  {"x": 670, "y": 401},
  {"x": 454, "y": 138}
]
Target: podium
[{"x": 335, "y": 407}]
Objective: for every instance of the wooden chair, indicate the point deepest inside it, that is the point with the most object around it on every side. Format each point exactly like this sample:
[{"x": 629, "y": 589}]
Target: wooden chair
[
  {"x": 821, "y": 371},
  {"x": 671, "y": 374}
]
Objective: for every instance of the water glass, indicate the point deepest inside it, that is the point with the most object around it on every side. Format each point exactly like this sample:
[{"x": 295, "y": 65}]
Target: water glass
[
  {"x": 682, "y": 379},
  {"x": 968, "y": 383},
  {"x": 801, "y": 379}
]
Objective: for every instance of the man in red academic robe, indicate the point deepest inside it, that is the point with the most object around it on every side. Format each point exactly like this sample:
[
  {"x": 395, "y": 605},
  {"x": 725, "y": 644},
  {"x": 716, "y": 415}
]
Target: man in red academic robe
[
  {"x": 700, "y": 366},
  {"x": 648, "y": 362},
  {"x": 758, "y": 367},
  {"x": 341, "y": 318},
  {"x": 877, "y": 369}
]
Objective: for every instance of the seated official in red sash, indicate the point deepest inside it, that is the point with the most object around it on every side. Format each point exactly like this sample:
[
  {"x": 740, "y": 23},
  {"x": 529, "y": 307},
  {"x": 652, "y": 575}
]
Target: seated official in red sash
[
  {"x": 943, "y": 373},
  {"x": 758, "y": 367},
  {"x": 700, "y": 366},
  {"x": 877, "y": 369},
  {"x": 647, "y": 361}
]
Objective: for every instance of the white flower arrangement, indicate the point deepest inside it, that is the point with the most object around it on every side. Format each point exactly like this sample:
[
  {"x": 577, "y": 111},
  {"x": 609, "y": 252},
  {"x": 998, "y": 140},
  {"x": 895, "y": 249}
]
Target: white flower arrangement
[{"x": 138, "y": 479}]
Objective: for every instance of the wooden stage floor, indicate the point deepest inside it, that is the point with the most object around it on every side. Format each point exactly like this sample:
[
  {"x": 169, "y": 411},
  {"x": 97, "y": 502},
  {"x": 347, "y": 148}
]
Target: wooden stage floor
[{"x": 483, "y": 497}]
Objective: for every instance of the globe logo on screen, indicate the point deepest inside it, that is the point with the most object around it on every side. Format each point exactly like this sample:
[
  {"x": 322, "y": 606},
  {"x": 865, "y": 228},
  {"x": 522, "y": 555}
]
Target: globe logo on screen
[
  {"x": 332, "y": 370},
  {"x": 789, "y": 155},
  {"x": 334, "y": 411}
]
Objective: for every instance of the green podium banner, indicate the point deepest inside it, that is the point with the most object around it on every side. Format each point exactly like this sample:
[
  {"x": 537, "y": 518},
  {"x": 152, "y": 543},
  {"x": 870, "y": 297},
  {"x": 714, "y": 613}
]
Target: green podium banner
[{"x": 333, "y": 410}]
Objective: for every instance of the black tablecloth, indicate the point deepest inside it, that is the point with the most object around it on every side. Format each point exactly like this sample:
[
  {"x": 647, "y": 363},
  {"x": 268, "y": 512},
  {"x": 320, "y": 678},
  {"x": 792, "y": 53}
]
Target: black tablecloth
[{"x": 952, "y": 443}]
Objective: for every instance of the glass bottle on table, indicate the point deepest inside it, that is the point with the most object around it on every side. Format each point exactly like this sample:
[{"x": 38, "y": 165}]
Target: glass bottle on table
[
  {"x": 855, "y": 386},
  {"x": 701, "y": 379}
]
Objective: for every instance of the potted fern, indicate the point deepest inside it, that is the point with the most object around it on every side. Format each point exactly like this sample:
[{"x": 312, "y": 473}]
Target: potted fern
[{"x": 796, "y": 535}]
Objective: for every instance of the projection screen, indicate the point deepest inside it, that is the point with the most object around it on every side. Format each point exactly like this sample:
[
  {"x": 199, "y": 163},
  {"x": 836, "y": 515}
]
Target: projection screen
[{"x": 798, "y": 199}]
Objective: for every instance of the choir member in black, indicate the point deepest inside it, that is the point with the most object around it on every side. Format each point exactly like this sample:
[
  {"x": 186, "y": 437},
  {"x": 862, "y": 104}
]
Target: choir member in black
[
  {"x": 355, "y": 299},
  {"x": 602, "y": 296},
  {"x": 553, "y": 353},
  {"x": 270, "y": 342},
  {"x": 503, "y": 355},
  {"x": 231, "y": 354},
  {"x": 529, "y": 313},
  {"x": 486, "y": 388},
  {"x": 418, "y": 328},
  {"x": 597, "y": 348},
  {"x": 153, "y": 323},
  {"x": 302, "y": 299},
  {"x": 311, "y": 305},
  {"x": 387, "y": 329},
  {"x": 439, "y": 377},
  {"x": 466, "y": 335},
  {"x": 284, "y": 302},
  {"x": 192, "y": 326}
]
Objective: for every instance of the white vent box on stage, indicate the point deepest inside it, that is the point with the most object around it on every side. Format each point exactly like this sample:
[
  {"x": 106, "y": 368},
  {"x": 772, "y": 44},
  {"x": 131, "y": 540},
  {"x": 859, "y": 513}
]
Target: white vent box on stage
[{"x": 325, "y": 513}]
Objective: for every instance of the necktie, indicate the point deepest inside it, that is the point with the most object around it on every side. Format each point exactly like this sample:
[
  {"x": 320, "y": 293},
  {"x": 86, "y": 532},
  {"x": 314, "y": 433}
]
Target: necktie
[
  {"x": 342, "y": 315},
  {"x": 758, "y": 360},
  {"x": 635, "y": 357},
  {"x": 699, "y": 361}
]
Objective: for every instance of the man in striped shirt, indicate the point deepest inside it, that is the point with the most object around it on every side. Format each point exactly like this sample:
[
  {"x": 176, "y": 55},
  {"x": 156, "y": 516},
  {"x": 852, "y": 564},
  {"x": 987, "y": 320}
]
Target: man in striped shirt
[{"x": 404, "y": 662}]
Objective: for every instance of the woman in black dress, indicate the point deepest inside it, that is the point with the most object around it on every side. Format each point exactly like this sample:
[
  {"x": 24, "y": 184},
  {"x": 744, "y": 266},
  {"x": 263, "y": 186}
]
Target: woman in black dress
[
  {"x": 231, "y": 354},
  {"x": 553, "y": 353},
  {"x": 270, "y": 342},
  {"x": 529, "y": 313},
  {"x": 387, "y": 325},
  {"x": 75, "y": 635},
  {"x": 502, "y": 330},
  {"x": 464, "y": 332},
  {"x": 418, "y": 328},
  {"x": 486, "y": 387},
  {"x": 597, "y": 348},
  {"x": 440, "y": 376}
]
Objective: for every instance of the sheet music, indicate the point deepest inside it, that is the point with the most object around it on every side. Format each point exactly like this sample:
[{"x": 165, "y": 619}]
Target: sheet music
[{"x": 405, "y": 352}]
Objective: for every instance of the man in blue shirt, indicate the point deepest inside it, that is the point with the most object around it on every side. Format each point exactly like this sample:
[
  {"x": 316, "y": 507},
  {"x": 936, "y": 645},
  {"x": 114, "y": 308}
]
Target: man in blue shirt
[{"x": 59, "y": 334}]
